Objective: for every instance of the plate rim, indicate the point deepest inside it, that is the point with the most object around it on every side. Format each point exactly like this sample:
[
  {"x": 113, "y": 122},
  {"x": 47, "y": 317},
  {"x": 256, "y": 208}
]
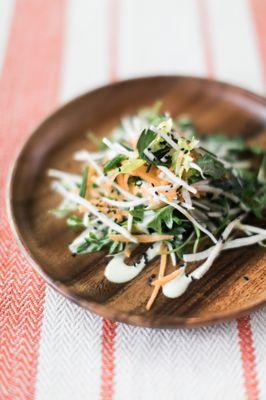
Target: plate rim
[{"x": 90, "y": 305}]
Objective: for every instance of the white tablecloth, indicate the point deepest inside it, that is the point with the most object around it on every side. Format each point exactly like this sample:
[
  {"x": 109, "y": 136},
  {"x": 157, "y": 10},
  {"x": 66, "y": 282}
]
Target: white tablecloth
[{"x": 50, "y": 51}]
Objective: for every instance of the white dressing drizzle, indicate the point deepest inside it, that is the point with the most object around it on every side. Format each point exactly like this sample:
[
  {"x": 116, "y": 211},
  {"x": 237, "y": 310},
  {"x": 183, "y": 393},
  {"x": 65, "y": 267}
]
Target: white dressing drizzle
[
  {"x": 117, "y": 271},
  {"x": 177, "y": 286}
]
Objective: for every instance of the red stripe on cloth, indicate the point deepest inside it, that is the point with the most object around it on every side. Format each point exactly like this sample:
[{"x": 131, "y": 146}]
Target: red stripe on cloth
[
  {"x": 243, "y": 325},
  {"x": 258, "y": 9},
  {"x": 108, "y": 359},
  {"x": 248, "y": 358},
  {"x": 28, "y": 90},
  {"x": 206, "y": 36},
  {"x": 109, "y": 327}
]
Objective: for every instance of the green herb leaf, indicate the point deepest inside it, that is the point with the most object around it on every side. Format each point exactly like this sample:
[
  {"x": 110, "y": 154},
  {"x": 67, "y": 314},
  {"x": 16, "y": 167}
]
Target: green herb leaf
[
  {"x": 83, "y": 246},
  {"x": 163, "y": 215},
  {"x": 83, "y": 186},
  {"x": 116, "y": 247},
  {"x": 211, "y": 167},
  {"x": 146, "y": 137},
  {"x": 138, "y": 213},
  {"x": 254, "y": 197},
  {"x": 94, "y": 243},
  {"x": 114, "y": 163}
]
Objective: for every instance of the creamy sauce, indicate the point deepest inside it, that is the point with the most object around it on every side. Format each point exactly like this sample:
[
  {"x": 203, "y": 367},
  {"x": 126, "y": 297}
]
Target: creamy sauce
[
  {"x": 117, "y": 271},
  {"x": 177, "y": 286}
]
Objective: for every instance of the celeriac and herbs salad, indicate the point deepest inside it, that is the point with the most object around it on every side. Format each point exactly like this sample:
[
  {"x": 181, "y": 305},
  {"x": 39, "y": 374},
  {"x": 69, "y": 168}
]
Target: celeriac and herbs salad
[{"x": 154, "y": 183}]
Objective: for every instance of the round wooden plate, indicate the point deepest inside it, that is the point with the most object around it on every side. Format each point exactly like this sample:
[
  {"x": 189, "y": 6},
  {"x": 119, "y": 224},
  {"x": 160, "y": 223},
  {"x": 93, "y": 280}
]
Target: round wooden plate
[{"x": 236, "y": 283}]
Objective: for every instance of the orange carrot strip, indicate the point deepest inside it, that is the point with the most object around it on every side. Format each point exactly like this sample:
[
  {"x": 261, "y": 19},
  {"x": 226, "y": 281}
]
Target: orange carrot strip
[
  {"x": 141, "y": 238},
  {"x": 127, "y": 251},
  {"x": 126, "y": 176},
  {"x": 120, "y": 180},
  {"x": 150, "y": 176},
  {"x": 170, "y": 195},
  {"x": 167, "y": 278},
  {"x": 160, "y": 275},
  {"x": 90, "y": 175}
]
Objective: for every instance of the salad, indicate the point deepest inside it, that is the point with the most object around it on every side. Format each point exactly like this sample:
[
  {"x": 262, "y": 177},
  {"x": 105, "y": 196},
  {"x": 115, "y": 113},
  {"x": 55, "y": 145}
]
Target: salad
[{"x": 155, "y": 185}]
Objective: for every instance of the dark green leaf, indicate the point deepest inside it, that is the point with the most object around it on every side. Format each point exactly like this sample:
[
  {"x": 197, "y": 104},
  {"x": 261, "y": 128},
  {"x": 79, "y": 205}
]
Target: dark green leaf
[
  {"x": 255, "y": 199},
  {"x": 146, "y": 137},
  {"x": 176, "y": 220},
  {"x": 163, "y": 215},
  {"x": 138, "y": 213},
  {"x": 211, "y": 167},
  {"x": 83, "y": 246},
  {"x": 114, "y": 163}
]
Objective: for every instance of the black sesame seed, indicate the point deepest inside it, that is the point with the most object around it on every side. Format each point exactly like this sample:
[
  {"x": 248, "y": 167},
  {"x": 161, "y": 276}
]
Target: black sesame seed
[
  {"x": 246, "y": 278},
  {"x": 156, "y": 193},
  {"x": 145, "y": 258}
]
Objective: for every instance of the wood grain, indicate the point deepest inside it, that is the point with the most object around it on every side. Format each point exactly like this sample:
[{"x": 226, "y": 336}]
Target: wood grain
[{"x": 236, "y": 283}]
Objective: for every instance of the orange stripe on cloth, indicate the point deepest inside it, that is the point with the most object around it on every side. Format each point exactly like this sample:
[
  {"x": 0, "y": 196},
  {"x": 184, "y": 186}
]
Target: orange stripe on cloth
[
  {"x": 28, "y": 90},
  {"x": 109, "y": 327},
  {"x": 248, "y": 357},
  {"x": 258, "y": 10}
]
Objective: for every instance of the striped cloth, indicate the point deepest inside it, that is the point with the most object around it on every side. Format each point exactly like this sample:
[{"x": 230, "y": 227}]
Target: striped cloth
[{"x": 50, "y": 51}]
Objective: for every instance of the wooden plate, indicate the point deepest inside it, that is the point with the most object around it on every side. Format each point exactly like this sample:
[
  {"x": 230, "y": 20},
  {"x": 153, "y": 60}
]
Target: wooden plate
[{"x": 236, "y": 283}]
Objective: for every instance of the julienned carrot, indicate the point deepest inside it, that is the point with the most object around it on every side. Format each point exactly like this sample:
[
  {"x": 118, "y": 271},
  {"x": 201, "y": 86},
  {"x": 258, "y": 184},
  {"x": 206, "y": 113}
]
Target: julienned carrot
[
  {"x": 126, "y": 187},
  {"x": 151, "y": 176},
  {"x": 141, "y": 238},
  {"x": 170, "y": 195},
  {"x": 167, "y": 278},
  {"x": 160, "y": 275},
  {"x": 120, "y": 181},
  {"x": 127, "y": 251}
]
